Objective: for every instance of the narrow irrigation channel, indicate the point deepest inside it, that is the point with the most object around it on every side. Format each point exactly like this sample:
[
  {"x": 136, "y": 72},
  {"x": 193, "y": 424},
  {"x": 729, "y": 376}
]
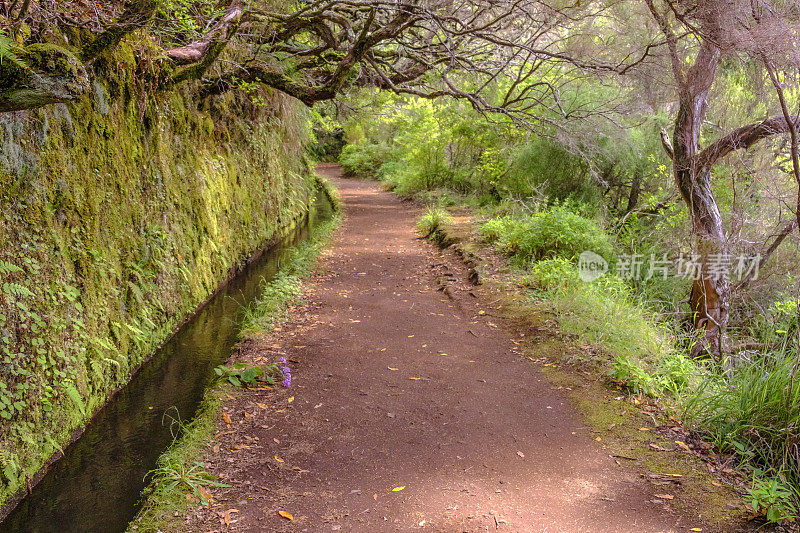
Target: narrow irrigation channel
[{"x": 95, "y": 487}]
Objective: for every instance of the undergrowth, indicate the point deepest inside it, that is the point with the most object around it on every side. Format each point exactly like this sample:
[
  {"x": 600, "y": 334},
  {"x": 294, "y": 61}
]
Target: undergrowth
[{"x": 429, "y": 225}]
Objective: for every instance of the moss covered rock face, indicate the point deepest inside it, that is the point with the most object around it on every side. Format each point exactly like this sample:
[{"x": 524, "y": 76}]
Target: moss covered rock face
[{"x": 119, "y": 214}]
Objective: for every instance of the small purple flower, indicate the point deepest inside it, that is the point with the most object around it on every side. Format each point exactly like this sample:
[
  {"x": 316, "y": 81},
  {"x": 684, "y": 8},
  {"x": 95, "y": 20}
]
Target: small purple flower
[{"x": 287, "y": 373}]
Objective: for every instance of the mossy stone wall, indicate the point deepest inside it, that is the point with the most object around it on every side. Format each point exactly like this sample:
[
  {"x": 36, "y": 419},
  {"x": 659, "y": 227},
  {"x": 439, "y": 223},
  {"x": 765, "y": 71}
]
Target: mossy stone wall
[{"x": 119, "y": 215}]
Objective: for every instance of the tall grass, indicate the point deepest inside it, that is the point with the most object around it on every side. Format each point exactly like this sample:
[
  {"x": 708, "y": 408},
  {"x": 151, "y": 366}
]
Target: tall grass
[{"x": 754, "y": 412}]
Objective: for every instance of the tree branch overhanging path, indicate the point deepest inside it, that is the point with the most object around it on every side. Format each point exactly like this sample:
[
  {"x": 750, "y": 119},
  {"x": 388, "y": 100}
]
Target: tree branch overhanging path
[{"x": 316, "y": 50}]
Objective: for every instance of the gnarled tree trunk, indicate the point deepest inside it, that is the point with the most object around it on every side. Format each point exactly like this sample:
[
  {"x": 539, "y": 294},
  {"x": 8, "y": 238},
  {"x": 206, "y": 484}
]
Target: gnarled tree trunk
[{"x": 710, "y": 293}]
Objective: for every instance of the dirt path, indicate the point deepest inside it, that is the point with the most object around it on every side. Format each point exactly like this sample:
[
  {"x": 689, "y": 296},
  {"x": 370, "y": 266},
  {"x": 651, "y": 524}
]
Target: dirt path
[{"x": 395, "y": 384}]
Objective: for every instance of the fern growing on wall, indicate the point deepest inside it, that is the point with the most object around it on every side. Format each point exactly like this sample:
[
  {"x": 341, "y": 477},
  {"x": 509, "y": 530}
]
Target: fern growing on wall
[
  {"x": 9, "y": 288},
  {"x": 8, "y": 50}
]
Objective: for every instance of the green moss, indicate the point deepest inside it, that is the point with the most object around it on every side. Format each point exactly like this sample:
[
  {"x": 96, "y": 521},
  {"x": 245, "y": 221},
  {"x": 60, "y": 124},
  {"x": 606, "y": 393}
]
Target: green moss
[{"x": 52, "y": 58}]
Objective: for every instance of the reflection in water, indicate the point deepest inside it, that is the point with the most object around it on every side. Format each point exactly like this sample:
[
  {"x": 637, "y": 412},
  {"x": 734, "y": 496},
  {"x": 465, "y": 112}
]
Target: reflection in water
[{"x": 96, "y": 486}]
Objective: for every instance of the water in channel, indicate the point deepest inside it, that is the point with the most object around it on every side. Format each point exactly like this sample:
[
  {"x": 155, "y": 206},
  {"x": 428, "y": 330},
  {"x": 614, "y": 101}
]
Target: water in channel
[{"x": 95, "y": 487}]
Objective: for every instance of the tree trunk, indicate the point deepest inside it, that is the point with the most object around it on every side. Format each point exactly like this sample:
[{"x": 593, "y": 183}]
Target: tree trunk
[{"x": 710, "y": 293}]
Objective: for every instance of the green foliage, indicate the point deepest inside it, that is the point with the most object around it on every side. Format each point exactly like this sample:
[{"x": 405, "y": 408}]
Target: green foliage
[
  {"x": 556, "y": 274},
  {"x": 429, "y": 224},
  {"x": 363, "y": 159},
  {"x": 8, "y": 51},
  {"x": 773, "y": 500},
  {"x": 777, "y": 327},
  {"x": 547, "y": 234},
  {"x": 546, "y": 166},
  {"x": 177, "y": 476},
  {"x": 75, "y": 396},
  {"x": 242, "y": 374},
  {"x": 8, "y": 268},
  {"x": 631, "y": 375},
  {"x": 185, "y": 20}
]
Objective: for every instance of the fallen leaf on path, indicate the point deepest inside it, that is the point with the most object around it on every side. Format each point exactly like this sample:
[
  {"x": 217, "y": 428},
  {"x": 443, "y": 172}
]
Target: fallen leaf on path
[
  {"x": 696, "y": 529},
  {"x": 391, "y": 368},
  {"x": 205, "y": 494},
  {"x": 521, "y": 454},
  {"x": 291, "y": 399},
  {"x": 383, "y": 349},
  {"x": 659, "y": 448},
  {"x": 375, "y": 496},
  {"x": 279, "y": 459},
  {"x": 226, "y": 418},
  {"x": 287, "y": 516},
  {"x": 216, "y": 448},
  {"x": 644, "y": 429},
  {"x": 226, "y": 516},
  {"x": 683, "y": 445},
  {"x": 318, "y": 405},
  {"x": 413, "y": 378},
  {"x": 261, "y": 405},
  {"x": 665, "y": 496},
  {"x": 398, "y": 489},
  {"x": 354, "y": 321}
]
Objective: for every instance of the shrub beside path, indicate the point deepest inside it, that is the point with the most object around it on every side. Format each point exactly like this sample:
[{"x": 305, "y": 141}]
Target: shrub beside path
[{"x": 411, "y": 409}]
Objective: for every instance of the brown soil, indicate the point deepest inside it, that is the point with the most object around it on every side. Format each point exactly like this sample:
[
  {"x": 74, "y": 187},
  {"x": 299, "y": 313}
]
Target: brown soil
[{"x": 400, "y": 384}]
